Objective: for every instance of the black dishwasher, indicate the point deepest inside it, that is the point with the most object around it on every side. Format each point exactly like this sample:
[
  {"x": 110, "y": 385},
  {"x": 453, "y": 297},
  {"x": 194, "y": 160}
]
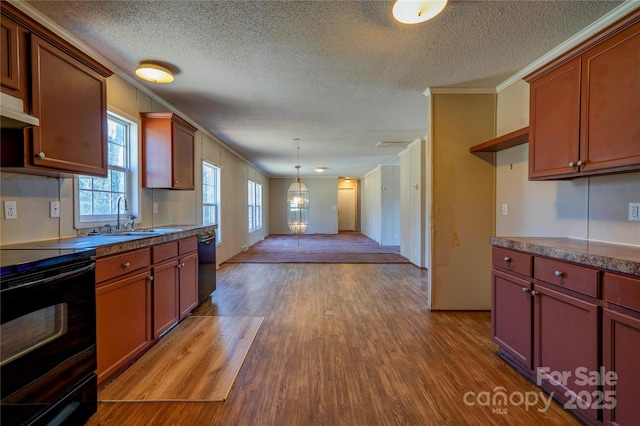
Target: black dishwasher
[{"x": 206, "y": 265}]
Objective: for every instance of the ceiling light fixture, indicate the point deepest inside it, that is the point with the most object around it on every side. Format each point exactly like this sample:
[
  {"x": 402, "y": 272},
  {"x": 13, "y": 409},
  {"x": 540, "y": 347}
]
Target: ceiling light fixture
[
  {"x": 416, "y": 11},
  {"x": 298, "y": 203},
  {"x": 320, "y": 169},
  {"x": 154, "y": 73}
]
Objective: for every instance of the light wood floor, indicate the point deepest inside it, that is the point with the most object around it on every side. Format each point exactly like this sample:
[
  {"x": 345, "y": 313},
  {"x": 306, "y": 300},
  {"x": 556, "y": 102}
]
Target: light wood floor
[{"x": 345, "y": 344}]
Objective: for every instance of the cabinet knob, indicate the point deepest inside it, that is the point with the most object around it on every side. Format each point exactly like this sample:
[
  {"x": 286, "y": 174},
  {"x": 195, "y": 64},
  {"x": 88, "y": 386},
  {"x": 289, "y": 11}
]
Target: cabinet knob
[
  {"x": 40, "y": 155},
  {"x": 558, "y": 273},
  {"x": 533, "y": 293},
  {"x": 151, "y": 278},
  {"x": 524, "y": 289},
  {"x": 507, "y": 259},
  {"x": 581, "y": 163},
  {"x": 571, "y": 164},
  {"x": 126, "y": 265},
  {"x": 175, "y": 182}
]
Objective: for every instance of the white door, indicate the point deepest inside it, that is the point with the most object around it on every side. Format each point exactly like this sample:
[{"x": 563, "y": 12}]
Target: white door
[{"x": 346, "y": 209}]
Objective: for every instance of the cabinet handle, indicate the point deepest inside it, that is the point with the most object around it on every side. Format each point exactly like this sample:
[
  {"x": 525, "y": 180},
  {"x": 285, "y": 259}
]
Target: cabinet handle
[
  {"x": 558, "y": 273},
  {"x": 40, "y": 155},
  {"x": 507, "y": 259},
  {"x": 533, "y": 293},
  {"x": 126, "y": 265},
  {"x": 524, "y": 289}
]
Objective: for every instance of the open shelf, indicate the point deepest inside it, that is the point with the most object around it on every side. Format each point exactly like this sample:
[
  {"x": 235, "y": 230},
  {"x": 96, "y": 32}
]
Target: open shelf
[{"x": 503, "y": 142}]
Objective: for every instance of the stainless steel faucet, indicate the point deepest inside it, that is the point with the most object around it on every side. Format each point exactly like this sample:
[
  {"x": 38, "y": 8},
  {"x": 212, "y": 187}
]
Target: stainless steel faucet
[{"x": 122, "y": 197}]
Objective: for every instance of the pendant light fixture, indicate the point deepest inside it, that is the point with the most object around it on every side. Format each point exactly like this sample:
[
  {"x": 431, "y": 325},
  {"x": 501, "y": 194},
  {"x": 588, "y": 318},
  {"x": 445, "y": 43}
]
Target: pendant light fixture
[
  {"x": 298, "y": 202},
  {"x": 417, "y": 11}
]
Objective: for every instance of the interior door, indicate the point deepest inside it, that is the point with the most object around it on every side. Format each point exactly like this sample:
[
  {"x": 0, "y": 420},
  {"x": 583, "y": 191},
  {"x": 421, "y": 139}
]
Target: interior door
[{"x": 346, "y": 209}]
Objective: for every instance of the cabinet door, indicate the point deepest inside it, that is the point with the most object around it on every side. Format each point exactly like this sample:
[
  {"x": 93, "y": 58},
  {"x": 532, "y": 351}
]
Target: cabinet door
[
  {"x": 183, "y": 148},
  {"x": 554, "y": 128},
  {"x": 511, "y": 315},
  {"x": 621, "y": 354},
  {"x": 566, "y": 342},
  {"x": 610, "y": 132},
  {"x": 123, "y": 318},
  {"x": 10, "y": 68},
  {"x": 188, "y": 268},
  {"x": 69, "y": 98},
  {"x": 165, "y": 297}
]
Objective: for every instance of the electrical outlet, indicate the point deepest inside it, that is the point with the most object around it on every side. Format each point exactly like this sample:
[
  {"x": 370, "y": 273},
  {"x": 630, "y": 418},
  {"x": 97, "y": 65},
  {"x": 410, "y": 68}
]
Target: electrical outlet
[
  {"x": 155, "y": 208},
  {"x": 10, "y": 210},
  {"x": 54, "y": 209},
  {"x": 505, "y": 210},
  {"x": 634, "y": 212}
]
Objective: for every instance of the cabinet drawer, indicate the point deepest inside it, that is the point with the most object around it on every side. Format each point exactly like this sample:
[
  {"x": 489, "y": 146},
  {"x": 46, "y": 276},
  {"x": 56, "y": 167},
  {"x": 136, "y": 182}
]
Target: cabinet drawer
[
  {"x": 187, "y": 245},
  {"x": 623, "y": 291},
  {"x": 164, "y": 251},
  {"x": 576, "y": 278},
  {"x": 512, "y": 261},
  {"x": 120, "y": 264}
]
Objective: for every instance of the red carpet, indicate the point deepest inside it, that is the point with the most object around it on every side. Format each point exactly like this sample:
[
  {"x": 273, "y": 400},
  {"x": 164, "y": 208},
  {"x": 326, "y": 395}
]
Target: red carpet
[{"x": 348, "y": 247}]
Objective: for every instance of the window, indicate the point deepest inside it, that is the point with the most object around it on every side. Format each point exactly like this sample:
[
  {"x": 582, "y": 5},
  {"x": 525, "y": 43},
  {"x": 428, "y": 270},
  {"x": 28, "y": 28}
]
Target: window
[
  {"x": 97, "y": 198},
  {"x": 211, "y": 196},
  {"x": 255, "y": 206}
]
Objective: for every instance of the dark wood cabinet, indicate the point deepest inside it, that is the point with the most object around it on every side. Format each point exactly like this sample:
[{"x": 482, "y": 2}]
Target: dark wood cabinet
[
  {"x": 584, "y": 107},
  {"x": 566, "y": 344},
  {"x": 512, "y": 314},
  {"x": 621, "y": 348},
  {"x": 66, "y": 90},
  {"x": 123, "y": 310},
  {"x": 168, "y": 151},
  {"x": 165, "y": 297},
  {"x": 188, "y": 275}
]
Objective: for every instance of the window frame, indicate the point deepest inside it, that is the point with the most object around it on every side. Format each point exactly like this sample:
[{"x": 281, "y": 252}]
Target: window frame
[
  {"x": 254, "y": 205},
  {"x": 217, "y": 204},
  {"x": 132, "y": 177}
]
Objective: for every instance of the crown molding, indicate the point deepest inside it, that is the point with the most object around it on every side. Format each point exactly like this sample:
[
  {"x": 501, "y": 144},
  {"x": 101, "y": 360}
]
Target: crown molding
[
  {"x": 572, "y": 42},
  {"x": 459, "y": 91}
]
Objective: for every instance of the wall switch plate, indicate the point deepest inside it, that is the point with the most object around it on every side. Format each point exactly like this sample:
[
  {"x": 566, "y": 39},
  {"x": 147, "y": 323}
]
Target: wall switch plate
[
  {"x": 155, "y": 208},
  {"x": 634, "y": 212},
  {"x": 54, "y": 209},
  {"x": 505, "y": 210},
  {"x": 10, "y": 210}
]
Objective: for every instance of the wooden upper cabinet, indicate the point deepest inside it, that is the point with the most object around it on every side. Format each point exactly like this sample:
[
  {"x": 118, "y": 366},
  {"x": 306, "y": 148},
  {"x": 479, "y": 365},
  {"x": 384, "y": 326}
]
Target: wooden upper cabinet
[
  {"x": 611, "y": 103},
  {"x": 168, "y": 151},
  {"x": 73, "y": 131},
  {"x": 584, "y": 107},
  {"x": 62, "y": 87},
  {"x": 554, "y": 128}
]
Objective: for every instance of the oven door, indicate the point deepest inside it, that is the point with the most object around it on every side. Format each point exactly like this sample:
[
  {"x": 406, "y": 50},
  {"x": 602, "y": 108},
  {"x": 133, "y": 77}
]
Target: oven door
[{"x": 48, "y": 343}]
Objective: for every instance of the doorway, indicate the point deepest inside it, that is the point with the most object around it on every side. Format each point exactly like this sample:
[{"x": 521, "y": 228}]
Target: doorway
[{"x": 346, "y": 209}]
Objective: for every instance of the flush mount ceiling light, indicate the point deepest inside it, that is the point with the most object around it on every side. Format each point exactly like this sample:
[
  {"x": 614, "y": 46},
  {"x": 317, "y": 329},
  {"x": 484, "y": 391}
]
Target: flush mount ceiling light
[
  {"x": 416, "y": 11},
  {"x": 320, "y": 169},
  {"x": 154, "y": 73}
]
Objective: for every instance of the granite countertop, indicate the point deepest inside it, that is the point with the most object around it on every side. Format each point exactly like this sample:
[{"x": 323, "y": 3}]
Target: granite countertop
[
  {"x": 614, "y": 257},
  {"x": 111, "y": 244}
]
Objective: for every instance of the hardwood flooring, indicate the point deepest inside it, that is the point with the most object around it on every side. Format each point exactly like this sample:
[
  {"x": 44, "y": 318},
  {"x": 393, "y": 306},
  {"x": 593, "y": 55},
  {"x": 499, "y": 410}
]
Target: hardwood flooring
[
  {"x": 197, "y": 361},
  {"x": 351, "y": 344}
]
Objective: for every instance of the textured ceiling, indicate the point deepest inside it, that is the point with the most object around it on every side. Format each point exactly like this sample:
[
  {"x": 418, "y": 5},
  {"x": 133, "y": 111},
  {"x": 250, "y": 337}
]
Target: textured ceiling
[{"x": 339, "y": 75}]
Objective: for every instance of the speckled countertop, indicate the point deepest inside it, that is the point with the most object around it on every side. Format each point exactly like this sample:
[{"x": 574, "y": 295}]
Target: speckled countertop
[
  {"x": 112, "y": 244},
  {"x": 614, "y": 257}
]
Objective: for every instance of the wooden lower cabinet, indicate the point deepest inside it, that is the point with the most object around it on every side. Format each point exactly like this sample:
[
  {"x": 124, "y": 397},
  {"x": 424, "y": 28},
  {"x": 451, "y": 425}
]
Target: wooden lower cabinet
[
  {"x": 123, "y": 316},
  {"x": 165, "y": 297},
  {"x": 188, "y": 278},
  {"x": 566, "y": 344},
  {"x": 512, "y": 314}
]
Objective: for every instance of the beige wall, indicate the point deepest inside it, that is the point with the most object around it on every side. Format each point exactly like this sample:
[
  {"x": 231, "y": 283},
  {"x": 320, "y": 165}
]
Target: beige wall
[
  {"x": 323, "y": 205},
  {"x": 390, "y": 217},
  {"x": 33, "y": 193},
  {"x": 372, "y": 205},
  {"x": 462, "y": 197},
  {"x": 589, "y": 208}
]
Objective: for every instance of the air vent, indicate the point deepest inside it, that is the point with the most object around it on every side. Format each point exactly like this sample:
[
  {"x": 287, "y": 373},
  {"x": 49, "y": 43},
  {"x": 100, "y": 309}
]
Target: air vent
[{"x": 392, "y": 144}]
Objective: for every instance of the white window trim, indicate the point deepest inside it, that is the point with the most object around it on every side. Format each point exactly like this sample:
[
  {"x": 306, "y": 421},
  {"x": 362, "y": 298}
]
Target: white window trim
[
  {"x": 219, "y": 189},
  {"x": 133, "y": 184},
  {"x": 256, "y": 185}
]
